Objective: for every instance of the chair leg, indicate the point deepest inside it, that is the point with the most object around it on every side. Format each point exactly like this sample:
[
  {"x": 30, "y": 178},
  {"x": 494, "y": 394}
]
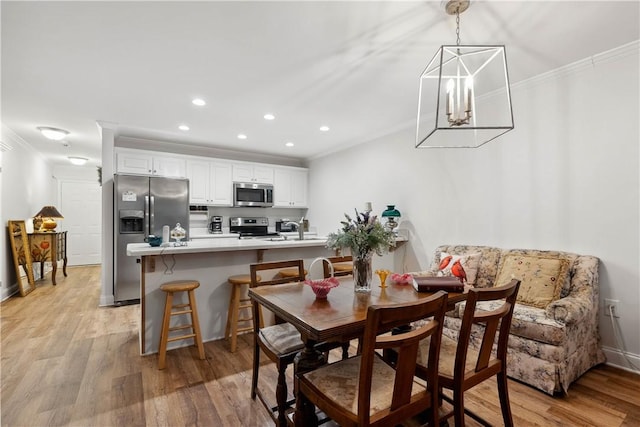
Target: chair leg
[
  {"x": 281, "y": 395},
  {"x": 503, "y": 393},
  {"x": 458, "y": 408},
  {"x": 227, "y": 329},
  {"x": 345, "y": 350},
  {"x": 164, "y": 333},
  {"x": 195, "y": 322},
  {"x": 256, "y": 366},
  {"x": 234, "y": 318}
]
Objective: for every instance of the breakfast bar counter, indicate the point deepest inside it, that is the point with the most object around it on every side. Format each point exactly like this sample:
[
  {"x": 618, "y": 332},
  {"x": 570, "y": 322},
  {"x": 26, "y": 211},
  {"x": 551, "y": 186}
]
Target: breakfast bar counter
[{"x": 211, "y": 262}]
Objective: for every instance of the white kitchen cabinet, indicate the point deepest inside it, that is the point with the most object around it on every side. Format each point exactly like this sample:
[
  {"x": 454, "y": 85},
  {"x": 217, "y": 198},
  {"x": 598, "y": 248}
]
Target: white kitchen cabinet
[
  {"x": 209, "y": 182},
  {"x": 290, "y": 188},
  {"x": 147, "y": 163},
  {"x": 250, "y": 172}
]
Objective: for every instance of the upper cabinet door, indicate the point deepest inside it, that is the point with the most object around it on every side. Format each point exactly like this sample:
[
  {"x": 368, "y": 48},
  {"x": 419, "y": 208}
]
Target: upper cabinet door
[
  {"x": 210, "y": 183},
  {"x": 198, "y": 174},
  {"x": 290, "y": 188},
  {"x": 299, "y": 188},
  {"x": 147, "y": 163},
  {"x": 242, "y": 172},
  {"x": 248, "y": 172},
  {"x": 134, "y": 163},
  {"x": 174, "y": 167},
  {"x": 263, "y": 174},
  {"x": 220, "y": 186}
]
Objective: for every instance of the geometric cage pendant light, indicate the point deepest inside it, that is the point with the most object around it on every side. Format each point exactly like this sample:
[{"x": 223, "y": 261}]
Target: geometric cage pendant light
[{"x": 470, "y": 86}]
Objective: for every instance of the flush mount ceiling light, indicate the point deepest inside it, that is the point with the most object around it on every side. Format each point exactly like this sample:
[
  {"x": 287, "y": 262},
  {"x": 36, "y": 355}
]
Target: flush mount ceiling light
[
  {"x": 78, "y": 161},
  {"x": 269, "y": 116},
  {"x": 289, "y": 144},
  {"x": 53, "y": 133},
  {"x": 199, "y": 102},
  {"x": 470, "y": 86},
  {"x": 242, "y": 136},
  {"x": 183, "y": 128},
  {"x": 324, "y": 128}
]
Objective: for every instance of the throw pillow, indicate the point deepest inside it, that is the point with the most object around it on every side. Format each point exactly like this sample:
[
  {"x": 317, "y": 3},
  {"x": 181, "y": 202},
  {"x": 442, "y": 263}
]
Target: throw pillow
[
  {"x": 464, "y": 267},
  {"x": 541, "y": 278}
]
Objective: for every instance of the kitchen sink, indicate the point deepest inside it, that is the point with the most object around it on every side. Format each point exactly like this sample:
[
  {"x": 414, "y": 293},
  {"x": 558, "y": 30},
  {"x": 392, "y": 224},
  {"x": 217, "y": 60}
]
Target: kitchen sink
[
  {"x": 307, "y": 238},
  {"x": 293, "y": 239}
]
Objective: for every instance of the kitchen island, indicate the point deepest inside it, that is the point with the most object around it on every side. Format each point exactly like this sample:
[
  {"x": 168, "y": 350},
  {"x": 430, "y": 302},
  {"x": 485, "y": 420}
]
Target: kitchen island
[{"x": 211, "y": 261}]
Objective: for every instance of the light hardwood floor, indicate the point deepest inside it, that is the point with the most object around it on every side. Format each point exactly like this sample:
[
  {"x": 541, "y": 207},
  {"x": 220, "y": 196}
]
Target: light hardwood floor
[{"x": 68, "y": 362}]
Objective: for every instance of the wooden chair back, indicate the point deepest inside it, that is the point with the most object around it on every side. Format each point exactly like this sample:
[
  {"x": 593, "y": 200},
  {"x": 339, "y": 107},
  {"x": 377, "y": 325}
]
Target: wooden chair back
[
  {"x": 382, "y": 319},
  {"x": 335, "y": 260},
  {"x": 497, "y": 320},
  {"x": 276, "y": 280}
]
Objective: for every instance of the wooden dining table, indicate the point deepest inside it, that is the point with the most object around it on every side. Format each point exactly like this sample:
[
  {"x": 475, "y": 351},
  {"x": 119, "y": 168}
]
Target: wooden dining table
[{"x": 339, "y": 317}]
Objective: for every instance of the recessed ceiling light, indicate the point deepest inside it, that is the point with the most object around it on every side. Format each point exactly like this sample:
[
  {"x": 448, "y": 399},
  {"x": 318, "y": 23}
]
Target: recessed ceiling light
[
  {"x": 53, "y": 133},
  {"x": 324, "y": 128},
  {"x": 242, "y": 136},
  {"x": 269, "y": 116},
  {"x": 183, "y": 127},
  {"x": 79, "y": 161},
  {"x": 199, "y": 102},
  {"x": 289, "y": 144}
]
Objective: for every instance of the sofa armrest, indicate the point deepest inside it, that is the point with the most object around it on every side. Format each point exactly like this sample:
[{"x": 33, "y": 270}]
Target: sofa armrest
[
  {"x": 582, "y": 301},
  {"x": 568, "y": 310}
]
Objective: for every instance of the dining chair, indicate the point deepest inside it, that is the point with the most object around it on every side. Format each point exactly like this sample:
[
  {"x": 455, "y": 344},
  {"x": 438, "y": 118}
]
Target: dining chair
[
  {"x": 366, "y": 391},
  {"x": 462, "y": 366},
  {"x": 280, "y": 342},
  {"x": 342, "y": 266}
]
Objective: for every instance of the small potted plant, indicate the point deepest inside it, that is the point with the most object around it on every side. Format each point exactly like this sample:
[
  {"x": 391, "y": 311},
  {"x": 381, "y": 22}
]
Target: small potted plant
[{"x": 364, "y": 236}]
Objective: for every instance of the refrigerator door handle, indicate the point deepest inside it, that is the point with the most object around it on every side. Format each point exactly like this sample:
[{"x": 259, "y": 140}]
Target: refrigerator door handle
[
  {"x": 146, "y": 216},
  {"x": 152, "y": 215}
]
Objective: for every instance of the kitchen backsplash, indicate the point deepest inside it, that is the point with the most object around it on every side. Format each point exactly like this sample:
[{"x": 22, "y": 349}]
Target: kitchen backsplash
[{"x": 199, "y": 220}]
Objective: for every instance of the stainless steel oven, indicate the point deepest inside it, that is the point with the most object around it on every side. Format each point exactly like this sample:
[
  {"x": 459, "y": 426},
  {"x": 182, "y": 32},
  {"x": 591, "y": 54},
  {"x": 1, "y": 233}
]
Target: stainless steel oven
[{"x": 251, "y": 194}]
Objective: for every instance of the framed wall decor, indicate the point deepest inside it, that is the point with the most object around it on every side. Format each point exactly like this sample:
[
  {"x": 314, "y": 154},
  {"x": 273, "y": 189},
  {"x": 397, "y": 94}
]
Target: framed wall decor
[{"x": 21, "y": 257}]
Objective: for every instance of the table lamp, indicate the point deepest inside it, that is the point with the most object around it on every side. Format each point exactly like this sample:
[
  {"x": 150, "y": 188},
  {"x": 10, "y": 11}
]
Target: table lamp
[
  {"x": 47, "y": 217},
  {"x": 391, "y": 213}
]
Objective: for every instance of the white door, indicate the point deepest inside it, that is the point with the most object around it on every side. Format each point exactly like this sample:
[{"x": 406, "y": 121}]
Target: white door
[{"x": 81, "y": 206}]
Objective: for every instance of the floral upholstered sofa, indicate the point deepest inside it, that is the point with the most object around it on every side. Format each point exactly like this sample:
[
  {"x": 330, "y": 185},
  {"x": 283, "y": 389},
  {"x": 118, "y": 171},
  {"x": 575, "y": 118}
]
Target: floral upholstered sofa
[{"x": 554, "y": 333}]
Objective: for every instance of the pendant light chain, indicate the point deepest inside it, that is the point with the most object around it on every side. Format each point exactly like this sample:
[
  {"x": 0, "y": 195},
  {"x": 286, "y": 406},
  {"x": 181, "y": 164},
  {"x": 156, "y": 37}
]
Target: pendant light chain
[{"x": 458, "y": 26}]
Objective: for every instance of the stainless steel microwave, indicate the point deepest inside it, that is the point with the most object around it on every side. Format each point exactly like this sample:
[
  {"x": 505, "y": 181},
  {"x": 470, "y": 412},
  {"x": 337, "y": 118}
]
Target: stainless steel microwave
[{"x": 251, "y": 194}]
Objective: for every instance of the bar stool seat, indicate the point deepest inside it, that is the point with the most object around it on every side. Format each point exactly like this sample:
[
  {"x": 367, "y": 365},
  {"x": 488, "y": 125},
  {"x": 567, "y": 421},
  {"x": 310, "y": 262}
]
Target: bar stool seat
[
  {"x": 290, "y": 272},
  {"x": 190, "y": 308},
  {"x": 237, "y": 303}
]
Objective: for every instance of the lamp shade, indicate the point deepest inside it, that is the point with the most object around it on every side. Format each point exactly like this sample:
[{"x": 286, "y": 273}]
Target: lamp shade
[
  {"x": 49, "y": 212},
  {"x": 391, "y": 212}
]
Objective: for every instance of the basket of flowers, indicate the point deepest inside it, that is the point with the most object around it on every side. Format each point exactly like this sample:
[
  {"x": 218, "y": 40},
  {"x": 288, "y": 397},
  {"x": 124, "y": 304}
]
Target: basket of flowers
[{"x": 322, "y": 287}]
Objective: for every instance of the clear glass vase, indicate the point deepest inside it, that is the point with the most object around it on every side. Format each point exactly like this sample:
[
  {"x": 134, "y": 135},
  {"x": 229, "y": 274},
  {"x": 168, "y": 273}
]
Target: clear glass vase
[{"x": 362, "y": 273}]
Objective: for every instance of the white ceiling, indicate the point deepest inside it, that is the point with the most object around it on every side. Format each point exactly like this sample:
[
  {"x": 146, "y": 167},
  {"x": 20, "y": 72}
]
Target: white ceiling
[{"x": 353, "y": 66}]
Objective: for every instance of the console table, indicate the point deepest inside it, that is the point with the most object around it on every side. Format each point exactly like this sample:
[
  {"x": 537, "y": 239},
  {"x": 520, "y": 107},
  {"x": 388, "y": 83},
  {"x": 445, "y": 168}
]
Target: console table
[{"x": 49, "y": 246}]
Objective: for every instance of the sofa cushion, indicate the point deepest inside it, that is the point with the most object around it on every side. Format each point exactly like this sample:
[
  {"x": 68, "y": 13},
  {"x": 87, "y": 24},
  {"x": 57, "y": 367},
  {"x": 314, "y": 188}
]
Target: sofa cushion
[
  {"x": 573, "y": 258},
  {"x": 468, "y": 262},
  {"x": 527, "y": 322},
  {"x": 542, "y": 277}
]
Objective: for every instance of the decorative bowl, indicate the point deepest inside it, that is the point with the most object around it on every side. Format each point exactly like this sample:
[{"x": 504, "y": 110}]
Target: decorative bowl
[
  {"x": 401, "y": 279},
  {"x": 154, "y": 241},
  {"x": 322, "y": 287}
]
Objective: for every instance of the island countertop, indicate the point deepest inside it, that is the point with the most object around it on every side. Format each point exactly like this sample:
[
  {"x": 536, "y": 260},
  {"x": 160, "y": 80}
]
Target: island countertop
[
  {"x": 230, "y": 244},
  {"x": 223, "y": 245}
]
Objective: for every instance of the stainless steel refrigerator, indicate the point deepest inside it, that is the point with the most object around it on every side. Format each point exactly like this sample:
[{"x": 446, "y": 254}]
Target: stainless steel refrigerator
[{"x": 142, "y": 206}]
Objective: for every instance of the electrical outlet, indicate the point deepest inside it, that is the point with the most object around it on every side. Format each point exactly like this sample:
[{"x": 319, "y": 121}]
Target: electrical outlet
[{"x": 613, "y": 304}]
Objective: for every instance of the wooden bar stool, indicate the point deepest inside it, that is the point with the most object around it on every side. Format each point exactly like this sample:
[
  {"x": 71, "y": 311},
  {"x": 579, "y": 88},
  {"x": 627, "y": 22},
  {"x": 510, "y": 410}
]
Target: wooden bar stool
[
  {"x": 170, "y": 288},
  {"x": 237, "y": 303}
]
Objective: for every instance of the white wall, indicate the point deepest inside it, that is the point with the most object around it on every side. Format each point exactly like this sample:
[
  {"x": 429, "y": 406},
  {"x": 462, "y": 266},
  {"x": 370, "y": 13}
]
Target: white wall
[
  {"x": 27, "y": 186},
  {"x": 565, "y": 178}
]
